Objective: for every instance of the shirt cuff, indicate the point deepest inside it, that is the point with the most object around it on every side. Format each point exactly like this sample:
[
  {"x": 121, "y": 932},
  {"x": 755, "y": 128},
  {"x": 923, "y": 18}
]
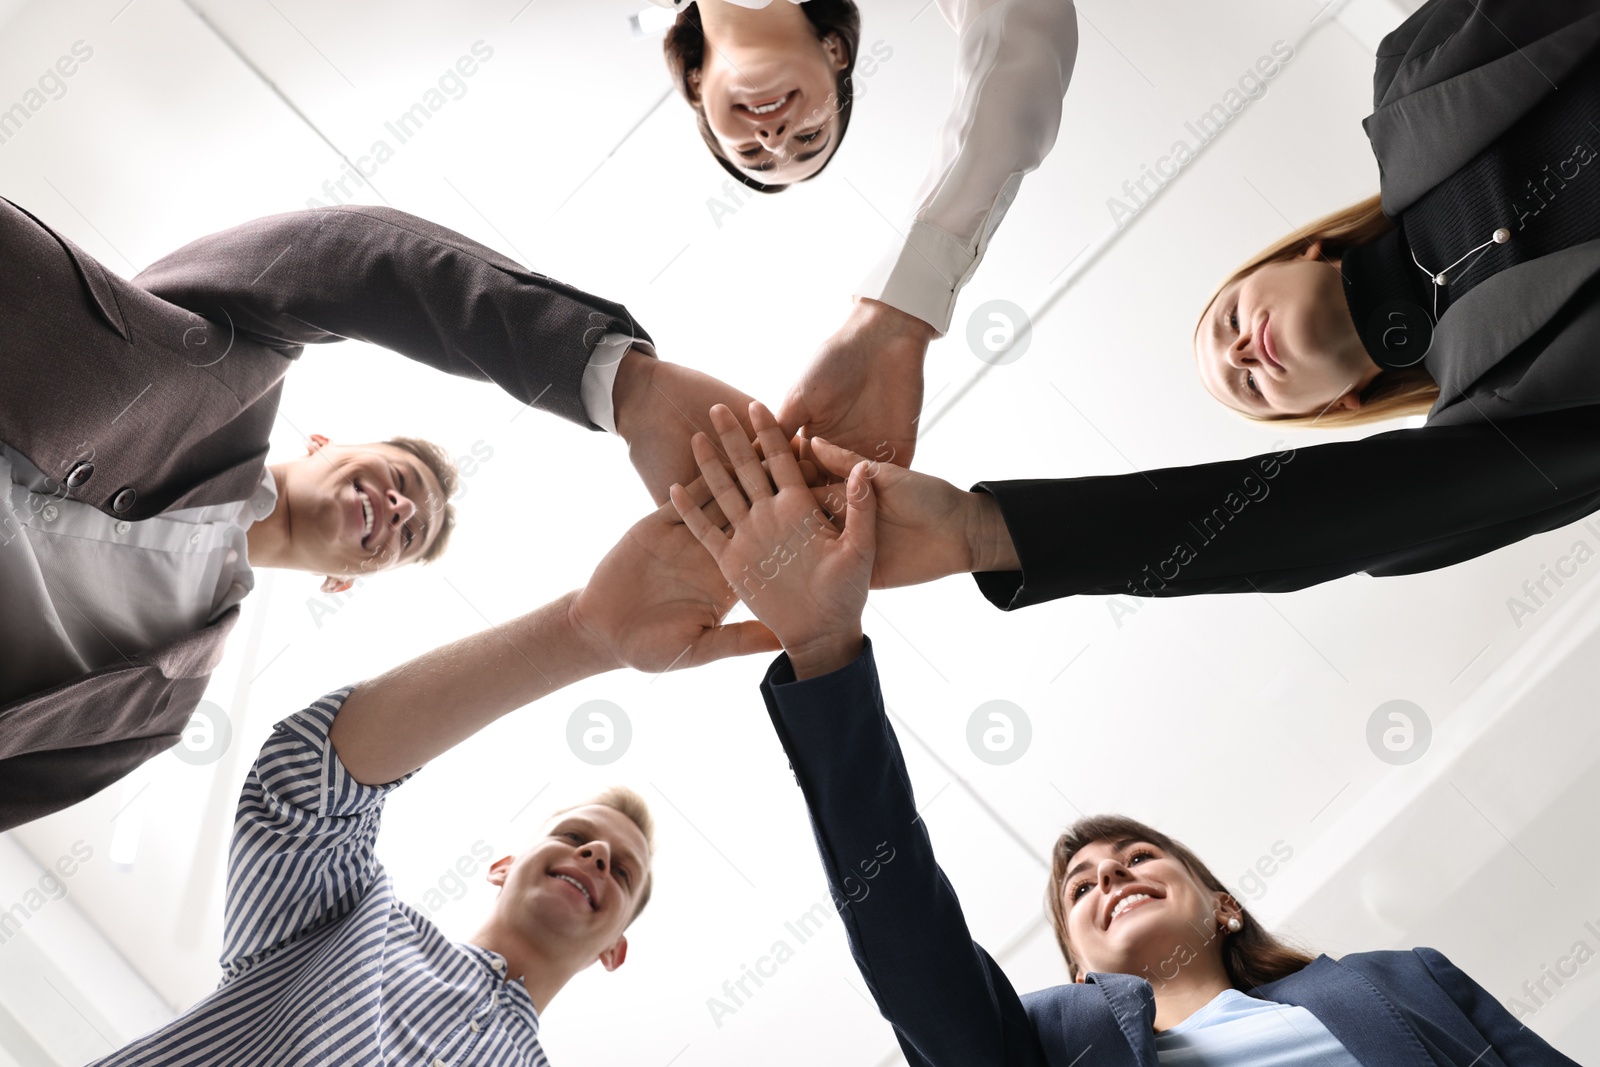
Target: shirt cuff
[
  {"x": 600, "y": 377},
  {"x": 922, "y": 275}
]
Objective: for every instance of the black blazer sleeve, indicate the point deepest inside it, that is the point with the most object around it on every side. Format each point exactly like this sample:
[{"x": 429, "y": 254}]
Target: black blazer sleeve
[
  {"x": 379, "y": 275},
  {"x": 1395, "y": 503},
  {"x": 949, "y": 1002}
]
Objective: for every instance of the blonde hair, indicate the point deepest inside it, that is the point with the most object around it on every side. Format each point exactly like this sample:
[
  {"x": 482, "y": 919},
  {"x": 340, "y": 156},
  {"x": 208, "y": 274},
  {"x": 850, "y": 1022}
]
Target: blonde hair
[
  {"x": 620, "y": 798},
  {"x": 1393, "y": 394}
]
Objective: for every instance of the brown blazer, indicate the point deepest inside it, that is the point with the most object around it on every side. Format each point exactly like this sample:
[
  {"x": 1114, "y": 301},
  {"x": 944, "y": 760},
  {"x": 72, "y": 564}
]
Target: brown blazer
[{"x": 136, "y": 397}]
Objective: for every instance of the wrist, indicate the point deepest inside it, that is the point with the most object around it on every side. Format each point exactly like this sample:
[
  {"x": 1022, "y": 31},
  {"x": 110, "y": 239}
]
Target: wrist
[
  {"x": 631, "y": 390},
  {"x": 989, "y": 544},
  {"x": 824, "y": 654},
  {"x": 586, "y": 649},
  {"x": 886, "y": 318}
]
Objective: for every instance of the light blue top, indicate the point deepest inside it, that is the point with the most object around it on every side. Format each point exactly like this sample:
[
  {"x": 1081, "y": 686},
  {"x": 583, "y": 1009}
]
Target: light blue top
[{"x": 1237, "y": 1030}]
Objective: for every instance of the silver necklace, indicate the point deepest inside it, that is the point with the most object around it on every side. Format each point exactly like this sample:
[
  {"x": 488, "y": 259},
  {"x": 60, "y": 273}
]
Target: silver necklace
[{"x": 1442, "y": 278}]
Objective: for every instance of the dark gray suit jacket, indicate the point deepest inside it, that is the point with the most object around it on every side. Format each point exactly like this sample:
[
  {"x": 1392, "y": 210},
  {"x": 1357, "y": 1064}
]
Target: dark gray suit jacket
[
  {"x": 138, "y": 397},
  {"x": 1512, "y": 448}
]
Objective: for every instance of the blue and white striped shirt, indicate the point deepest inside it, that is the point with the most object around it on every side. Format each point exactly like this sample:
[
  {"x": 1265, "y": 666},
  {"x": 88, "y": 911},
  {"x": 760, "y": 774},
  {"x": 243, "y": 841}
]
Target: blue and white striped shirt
[{"x": 321, "y": 963}]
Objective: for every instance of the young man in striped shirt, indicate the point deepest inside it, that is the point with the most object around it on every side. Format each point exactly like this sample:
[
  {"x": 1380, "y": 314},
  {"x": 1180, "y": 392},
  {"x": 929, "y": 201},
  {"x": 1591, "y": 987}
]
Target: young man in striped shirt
[{"x": 322, "y": 963}]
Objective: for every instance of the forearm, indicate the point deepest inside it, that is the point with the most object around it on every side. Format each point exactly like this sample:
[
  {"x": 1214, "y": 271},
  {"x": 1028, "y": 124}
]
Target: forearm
[
  {"x": 947, "y": 1000},
  {"x": 1014, "y": 61},
  {"x": 1396, "y": 503},
  {"x": 398, "y": 721},
  {"x": 399, "y": 282}
]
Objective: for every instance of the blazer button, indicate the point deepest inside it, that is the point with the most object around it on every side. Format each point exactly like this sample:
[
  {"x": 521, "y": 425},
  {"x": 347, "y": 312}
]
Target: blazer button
[
  {"x": 79, "y": 474},
  {"x": 123, "y": 500}
]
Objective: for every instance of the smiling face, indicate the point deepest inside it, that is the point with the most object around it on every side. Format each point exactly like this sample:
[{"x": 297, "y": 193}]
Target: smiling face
[
  {"x": 575, "y": 891},
  {"x": 774, "y": 111},
  {"x": 357, "y": 509},
  {"x": 1280, "y": 341},
  {"x": 1132, "y": 907}
]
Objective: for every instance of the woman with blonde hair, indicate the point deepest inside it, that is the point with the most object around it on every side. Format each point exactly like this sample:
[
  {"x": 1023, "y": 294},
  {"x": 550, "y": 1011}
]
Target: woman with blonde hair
[{"x": 1468, "y": 292}]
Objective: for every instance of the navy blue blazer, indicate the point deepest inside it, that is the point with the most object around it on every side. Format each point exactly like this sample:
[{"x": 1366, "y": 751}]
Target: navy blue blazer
[{"x": 951, "y": 1004}]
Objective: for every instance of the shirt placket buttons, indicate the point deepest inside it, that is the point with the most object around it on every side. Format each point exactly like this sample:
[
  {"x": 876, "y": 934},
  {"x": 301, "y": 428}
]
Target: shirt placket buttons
[{"x": 50, "y": 512}]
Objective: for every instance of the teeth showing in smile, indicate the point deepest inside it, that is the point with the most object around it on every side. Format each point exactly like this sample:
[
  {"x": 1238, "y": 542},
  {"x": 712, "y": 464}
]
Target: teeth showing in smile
[
  {"x": 366, "y": 510},
  {"x": 574, "y": 882},
  {"x": 1126, "y": 902},
  {"x": 767, "y": 109}
]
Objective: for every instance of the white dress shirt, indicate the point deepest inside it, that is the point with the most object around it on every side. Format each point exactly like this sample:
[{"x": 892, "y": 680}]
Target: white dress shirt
[
  {"x": 1013, "y": 64},
  {"x": 82, "y": 589}
]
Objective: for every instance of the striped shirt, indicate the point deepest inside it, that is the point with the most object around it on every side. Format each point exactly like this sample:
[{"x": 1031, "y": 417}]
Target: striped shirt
[{"x": 321, "y": 964}]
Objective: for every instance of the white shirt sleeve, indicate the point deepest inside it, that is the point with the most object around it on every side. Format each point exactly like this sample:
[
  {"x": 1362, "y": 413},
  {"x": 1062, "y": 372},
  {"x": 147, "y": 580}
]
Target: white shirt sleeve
[
  {"x": 600, "y": 377},
  {"x": 1013, "y": 64}
]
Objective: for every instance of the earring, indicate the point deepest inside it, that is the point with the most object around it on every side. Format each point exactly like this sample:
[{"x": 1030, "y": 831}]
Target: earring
[{"x": 1234, "y": 926}]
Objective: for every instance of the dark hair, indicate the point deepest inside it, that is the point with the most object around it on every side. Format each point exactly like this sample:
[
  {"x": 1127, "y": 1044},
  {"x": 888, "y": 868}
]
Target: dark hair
[
  {"x": 1252, "y": 956},
  {"x": 685, "y": 49}
]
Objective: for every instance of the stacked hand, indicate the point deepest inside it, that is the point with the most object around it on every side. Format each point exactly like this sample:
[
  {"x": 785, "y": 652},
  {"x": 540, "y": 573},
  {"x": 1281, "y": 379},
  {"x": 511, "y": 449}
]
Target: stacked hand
[
  {"x": 802, "y": 575},
  {"x": 658, "y": 406},
  {"x": 656, "y": 602},
  {"x": 863, "y": 389}
]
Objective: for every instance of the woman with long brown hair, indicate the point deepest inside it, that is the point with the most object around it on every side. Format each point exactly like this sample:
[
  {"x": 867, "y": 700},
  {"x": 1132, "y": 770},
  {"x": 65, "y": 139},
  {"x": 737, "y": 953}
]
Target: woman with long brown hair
[{"x": 1167, "y": 966}]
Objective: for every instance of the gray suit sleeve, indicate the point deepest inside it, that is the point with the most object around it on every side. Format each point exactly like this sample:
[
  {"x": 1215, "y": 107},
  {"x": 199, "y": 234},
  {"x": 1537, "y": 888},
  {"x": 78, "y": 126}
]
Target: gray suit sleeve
[{"x": 379, "y": 275}]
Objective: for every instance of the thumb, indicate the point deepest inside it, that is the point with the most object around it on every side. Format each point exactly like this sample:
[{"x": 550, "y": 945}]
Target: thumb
[
  {"x": 735, "y": 639},
  {"x": 861, "y": 521},
  {"x": 794, "y": 413},
  {"x": 837, "y": 460}
]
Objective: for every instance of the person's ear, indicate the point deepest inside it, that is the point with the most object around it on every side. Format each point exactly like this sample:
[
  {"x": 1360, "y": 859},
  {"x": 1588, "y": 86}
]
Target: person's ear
[
  {"x": 1313, "y": 250},
  {"x": 836, "y": 50},
  {"x": 330, "y": 584},
  {"x": 498, "y": 870},
  {"x": 318, "y": 442},
  {"x": 1350, "y": 401},
  {"x": 616, "y": 955},
  {"x": 692, "y": 80}
]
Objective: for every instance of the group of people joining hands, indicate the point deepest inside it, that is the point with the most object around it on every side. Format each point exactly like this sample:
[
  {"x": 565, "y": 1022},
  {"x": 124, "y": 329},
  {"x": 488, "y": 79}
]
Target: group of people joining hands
[{"x": 134, "y": 433}]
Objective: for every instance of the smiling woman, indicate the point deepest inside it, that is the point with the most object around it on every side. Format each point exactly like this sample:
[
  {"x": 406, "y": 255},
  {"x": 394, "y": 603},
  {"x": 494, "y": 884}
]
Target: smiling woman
[{"x": 770, "y": 83}]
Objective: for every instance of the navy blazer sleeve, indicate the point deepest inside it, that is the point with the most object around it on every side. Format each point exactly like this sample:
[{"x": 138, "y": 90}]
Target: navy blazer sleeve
[
  {"x": 1394, "y": 503},
  {"x": 949, "y": 1002},
  {"x": 380, "y": 275},
  {"x": 1512, "y": 1041}
]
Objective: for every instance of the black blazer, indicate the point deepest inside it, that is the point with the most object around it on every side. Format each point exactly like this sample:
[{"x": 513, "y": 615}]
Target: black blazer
[
  {"x": 951, "y": 1004},
  {"x": 1512, "y": 448},
  {"x": 160, "y": 393}
]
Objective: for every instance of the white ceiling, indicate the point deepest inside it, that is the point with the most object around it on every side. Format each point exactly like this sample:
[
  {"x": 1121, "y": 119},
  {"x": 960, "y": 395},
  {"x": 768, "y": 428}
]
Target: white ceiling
[{"x": 1236, "y": 723}]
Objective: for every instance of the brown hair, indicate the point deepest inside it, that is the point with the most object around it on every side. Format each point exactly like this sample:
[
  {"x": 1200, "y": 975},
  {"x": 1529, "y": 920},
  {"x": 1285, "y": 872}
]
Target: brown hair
[
  {"x": 437, "y": 460},
  {"x": 1394, "y": 393},
  {"x": 1253, "y": 956},
  {"x": 685, "y": 49},
  {"x": 621, "y": 799}
]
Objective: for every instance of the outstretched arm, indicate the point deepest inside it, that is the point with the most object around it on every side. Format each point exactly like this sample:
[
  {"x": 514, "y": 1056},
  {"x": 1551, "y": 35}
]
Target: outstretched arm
[
  {"x": 1394, "y": 503},
  {"x": 309, "y": 813},
  {"x": 655, "y": 603},
  {"x": 806, "y": 578},
  {"x": 401, "y": 282},
  {"x": 1014, "y": 60}
]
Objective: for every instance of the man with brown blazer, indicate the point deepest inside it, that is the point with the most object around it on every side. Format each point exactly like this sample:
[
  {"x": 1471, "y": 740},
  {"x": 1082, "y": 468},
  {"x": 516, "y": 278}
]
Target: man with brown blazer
[{"x": 137, "y": 414}]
